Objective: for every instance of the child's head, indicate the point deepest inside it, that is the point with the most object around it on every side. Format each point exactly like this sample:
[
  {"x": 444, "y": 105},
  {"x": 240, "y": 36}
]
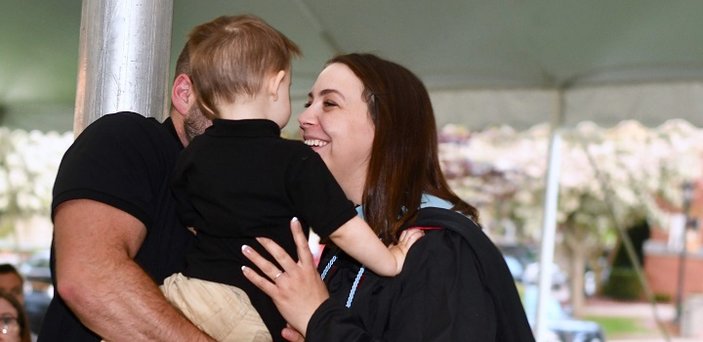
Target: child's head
[{"x": 237, "y": 60}]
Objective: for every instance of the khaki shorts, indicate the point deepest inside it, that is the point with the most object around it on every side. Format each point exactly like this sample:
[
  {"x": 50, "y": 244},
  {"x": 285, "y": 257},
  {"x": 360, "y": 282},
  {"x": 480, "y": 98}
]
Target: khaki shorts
[{"x": 222, "y": 311}]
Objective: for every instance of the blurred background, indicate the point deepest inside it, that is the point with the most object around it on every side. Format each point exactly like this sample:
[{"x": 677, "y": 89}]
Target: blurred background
[{"x": 620, "y": 84}]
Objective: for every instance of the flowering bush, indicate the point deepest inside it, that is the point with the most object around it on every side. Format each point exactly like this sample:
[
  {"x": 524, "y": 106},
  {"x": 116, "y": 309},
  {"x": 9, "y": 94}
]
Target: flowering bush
[
  {"x": 28, "y": 165},
  {"x": 608, "y": 178},
  {"x": 622, "y": 171}
]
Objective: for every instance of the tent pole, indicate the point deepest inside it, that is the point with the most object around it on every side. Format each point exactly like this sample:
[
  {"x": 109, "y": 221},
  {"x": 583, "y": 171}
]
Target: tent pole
[
  {"x": 549, "y": 218},
  {"x": 123, "y": 58}
]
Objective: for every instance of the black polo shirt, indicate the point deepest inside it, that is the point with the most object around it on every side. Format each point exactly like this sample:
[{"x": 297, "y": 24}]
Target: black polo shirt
[{"x": 123, "y": 160}]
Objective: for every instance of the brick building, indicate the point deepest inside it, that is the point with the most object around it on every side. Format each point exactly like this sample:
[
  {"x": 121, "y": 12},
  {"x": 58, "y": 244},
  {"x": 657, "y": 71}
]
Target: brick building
[{"x": 663, "y": 251}]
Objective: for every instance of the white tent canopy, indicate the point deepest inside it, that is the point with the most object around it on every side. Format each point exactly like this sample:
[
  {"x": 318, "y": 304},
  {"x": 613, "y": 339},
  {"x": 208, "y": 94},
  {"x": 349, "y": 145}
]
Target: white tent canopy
[
  {"x": 649, "y": 103},
  {"x": 485, "y": 62}
]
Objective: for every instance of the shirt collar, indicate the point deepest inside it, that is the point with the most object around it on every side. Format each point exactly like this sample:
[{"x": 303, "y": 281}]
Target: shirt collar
[
  {"x": 168, "y": 123},
  {"x": 426, "y": 201},
  {"x": 244, "y": 128}
]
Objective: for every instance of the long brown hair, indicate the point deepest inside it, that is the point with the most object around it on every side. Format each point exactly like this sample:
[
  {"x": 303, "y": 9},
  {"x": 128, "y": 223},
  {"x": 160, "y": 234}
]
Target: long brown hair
[
  {"x": 404, "y": 161},
  {"x": 22, "y": 320}
]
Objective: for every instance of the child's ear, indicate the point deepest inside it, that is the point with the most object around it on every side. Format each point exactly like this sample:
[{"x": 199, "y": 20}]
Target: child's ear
[{"x": 276, "y": 81}]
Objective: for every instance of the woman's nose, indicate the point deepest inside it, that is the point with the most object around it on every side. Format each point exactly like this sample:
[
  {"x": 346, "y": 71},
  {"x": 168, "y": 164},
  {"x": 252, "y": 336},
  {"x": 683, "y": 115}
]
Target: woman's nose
[{"x": 306, "y": 118}]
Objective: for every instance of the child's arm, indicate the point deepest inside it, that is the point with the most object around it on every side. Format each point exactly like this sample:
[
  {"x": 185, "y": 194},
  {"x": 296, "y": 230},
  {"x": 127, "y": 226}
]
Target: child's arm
[{"x": 356, "y": 238}]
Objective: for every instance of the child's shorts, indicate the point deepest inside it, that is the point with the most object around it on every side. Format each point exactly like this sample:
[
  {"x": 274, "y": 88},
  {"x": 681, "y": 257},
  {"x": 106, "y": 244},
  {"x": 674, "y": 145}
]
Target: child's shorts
[{"x": 222, "y": 311}]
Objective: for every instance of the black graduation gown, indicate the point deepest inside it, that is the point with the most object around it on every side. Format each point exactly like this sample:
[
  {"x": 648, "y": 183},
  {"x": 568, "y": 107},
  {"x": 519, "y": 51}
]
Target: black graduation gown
[{"x": 454, "y": 286}]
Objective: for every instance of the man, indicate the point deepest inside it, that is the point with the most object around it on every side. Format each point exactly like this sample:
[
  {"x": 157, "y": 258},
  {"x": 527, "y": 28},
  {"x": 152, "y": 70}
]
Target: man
[
  {"x": 116, "y": 230},
  {"x": 11, "y": 282}
]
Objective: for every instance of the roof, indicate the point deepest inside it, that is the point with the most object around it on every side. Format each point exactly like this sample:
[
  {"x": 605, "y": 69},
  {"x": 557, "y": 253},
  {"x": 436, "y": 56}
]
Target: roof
[{"x": 451, "y": 44}]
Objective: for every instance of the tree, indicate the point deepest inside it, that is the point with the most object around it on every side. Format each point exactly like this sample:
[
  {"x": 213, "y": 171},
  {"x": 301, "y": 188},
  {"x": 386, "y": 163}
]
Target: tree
[
  {"x": 28, "y": 165},
  {"x": 609, "y": 178}
]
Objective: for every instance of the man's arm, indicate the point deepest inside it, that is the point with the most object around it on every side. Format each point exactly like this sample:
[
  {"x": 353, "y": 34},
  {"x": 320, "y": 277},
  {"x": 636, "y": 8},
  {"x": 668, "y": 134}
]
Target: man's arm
[{"x": 98, "y": 279}]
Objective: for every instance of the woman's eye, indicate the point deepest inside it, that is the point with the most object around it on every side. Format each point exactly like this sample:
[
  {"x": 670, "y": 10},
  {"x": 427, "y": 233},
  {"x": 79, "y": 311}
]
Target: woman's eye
[{"x": 324, "y": 104}]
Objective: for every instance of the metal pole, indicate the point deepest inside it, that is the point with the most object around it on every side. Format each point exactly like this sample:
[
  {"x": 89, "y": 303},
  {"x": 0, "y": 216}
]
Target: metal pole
[
  {"x": 123, "y": 58},
  {"x": 549, "y": 220},
  {"x": 687, "y": 190}
]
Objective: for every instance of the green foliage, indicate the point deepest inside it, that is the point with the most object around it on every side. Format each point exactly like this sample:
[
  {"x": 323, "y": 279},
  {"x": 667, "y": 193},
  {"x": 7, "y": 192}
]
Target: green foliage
[
  {"x": 662, "y": 297},
  {"x": 6, "y": 225},
  {"x": 623, "y": 284},
  {"x": 638, "y": 234},
  {"x": 614, "y": 327}
]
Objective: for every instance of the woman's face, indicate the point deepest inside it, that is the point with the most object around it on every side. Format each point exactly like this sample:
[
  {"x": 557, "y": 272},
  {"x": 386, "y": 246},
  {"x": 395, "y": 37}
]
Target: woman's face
[
  {"x": 337, "y": 125},
  {"x": 9, "y": 328}
]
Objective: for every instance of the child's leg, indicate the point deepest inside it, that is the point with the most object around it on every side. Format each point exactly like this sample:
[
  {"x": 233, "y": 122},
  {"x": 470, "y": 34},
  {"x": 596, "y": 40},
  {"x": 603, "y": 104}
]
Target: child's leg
[{"x": 222, "y": 311}]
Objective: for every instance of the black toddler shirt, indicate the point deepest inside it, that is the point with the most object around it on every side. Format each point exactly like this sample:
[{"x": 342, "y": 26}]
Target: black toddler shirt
[{"x": 241, "y": 180}]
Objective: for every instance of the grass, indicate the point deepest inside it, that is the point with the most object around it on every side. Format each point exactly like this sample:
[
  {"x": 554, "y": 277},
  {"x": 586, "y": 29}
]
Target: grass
[{"x": 615, "y": 327}]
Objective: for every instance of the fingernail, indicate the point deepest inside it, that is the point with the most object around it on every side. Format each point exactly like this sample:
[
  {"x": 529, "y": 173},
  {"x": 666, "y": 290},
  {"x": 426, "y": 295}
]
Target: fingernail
[
  {"x": 294, "y": 219},
  {"x": 244, "y": 268},
  {"x": 246, "y": 249}
]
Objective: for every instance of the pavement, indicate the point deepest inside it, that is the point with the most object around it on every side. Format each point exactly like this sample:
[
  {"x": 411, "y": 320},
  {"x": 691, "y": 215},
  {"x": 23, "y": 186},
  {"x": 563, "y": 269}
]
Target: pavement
[{"x": 645, "y": 313}]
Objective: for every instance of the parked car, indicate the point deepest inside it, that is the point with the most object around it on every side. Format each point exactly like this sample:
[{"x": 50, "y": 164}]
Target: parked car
[
  {"x": 517, "y": 257},
  {"x": 516, "y": 268},
  {"x": 38, "y": 290},
  {"x": 560, "y": 285}
]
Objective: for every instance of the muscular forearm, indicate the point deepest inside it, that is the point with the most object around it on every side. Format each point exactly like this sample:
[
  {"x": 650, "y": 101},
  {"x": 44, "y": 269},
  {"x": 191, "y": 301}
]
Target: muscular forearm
[
  {"x": 94, "y": 246},
  {"x": 121, "y": 303}
]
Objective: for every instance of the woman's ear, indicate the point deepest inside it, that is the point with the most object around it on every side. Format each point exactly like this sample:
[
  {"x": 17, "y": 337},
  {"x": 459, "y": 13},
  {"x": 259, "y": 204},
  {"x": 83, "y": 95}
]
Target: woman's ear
[
  {"x": 275, "y": 83},
  {"x": 182, "y": 97}
]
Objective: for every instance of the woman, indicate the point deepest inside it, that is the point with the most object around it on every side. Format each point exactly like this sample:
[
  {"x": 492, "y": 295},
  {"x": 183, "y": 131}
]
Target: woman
[
  {"x": 372, "y": 123},
  {"x": 14, "y": 326}
]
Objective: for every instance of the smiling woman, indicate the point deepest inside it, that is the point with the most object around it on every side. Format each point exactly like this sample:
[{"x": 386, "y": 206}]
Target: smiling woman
[
  {"x": 329, "y": 117},
  {"x": 372, "y": 123}
]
